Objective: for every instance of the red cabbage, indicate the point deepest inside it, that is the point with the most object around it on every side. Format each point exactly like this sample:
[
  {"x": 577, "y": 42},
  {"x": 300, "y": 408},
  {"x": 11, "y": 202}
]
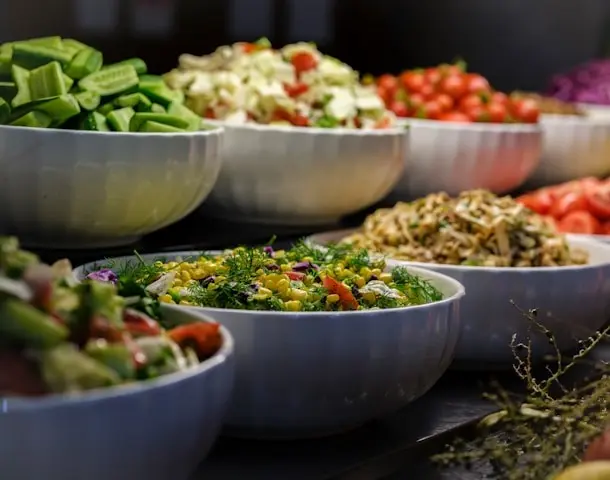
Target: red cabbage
[{"x": 588, "y": 83}]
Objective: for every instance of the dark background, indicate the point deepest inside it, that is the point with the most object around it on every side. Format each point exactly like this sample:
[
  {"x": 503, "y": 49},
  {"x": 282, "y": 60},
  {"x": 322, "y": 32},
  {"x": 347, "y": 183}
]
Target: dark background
[{"x": 516, "y": 43}]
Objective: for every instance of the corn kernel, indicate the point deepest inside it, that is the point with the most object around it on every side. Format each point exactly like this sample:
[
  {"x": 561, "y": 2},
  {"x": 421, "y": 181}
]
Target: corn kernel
[
  {"x": 366, "y": 272},
  {"x": 385, "y": 277},
  {"x": 308, "y": 259},
  {"x": 282, "y": 285},
  {"x": 263, "y": 294},
  {"x": 308, "y": 280},
  {"x": 177, "y": 282},
  {"x": 293, "y": 305},
  {"x": 369, "y": 297},
  {"x": 220, "y": 279},
  {"x": 171, "y": 265},
  {"x": 260, "y": 271},
  {"x": 376, "y": 272},
  {"x": 332, "y": 298},
  {"x": 360, "y": 282},
  {"x": 345, "y": 274},
  {"x": 166, "y": 298},
  {"x": 158, "y": 264},
  {"x": 184, "y": 302},
  {"x": 285, "y": 267},
  {"x": 279, "y": 254},
  {"x": 198, "y": 274},
  {"x": 298, "y": 294},
  {"x": 270, "y": 284},
  {"x": 185, "y": 276}
]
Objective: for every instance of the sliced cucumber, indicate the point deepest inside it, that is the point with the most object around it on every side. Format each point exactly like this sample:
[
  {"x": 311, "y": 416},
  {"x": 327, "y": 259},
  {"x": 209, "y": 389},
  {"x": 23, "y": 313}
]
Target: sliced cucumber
[
  {"x": 88, "y": 100},
  {"x": 106, "y": 108},
  {"x": 178, "y": 110},
  {"x": 68, "y": 82},
  {"x": 111, "y": 81},
  {"x": 156, "y": 108},
  {"x": 137, "y": 63},
  {"x": 21, "y": 78},
  {"x": 151, "y": 80},
  {"x": 6, "y": 53},
  {"x": 72, "y": 46},
  {"x": 119, "y": 120},
  {"x": 137, "y": 101},
  {"x": 33, "y": 119},
  {"x": 51, "y": 42},
  {"x": 162, "y": 94},
  {"x": 85, "y": 62},
  {"x": 140, "y": 118},
  {"x": 47, "y": 81},
  {"x": 8, "y": 90},
  {"x": 5, "y": 111},
  {"x": 5, "y": 71},
  {"x": 32, "y": 55},
  {"x": 96, "y": 122},
  {"x": 60, "y": 109},
  {"x": 156, "y": 127}
]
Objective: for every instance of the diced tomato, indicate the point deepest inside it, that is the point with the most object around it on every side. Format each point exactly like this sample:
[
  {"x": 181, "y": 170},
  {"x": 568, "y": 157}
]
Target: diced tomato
[
  {"x": 303, "y": 62},
  {"x": 605, "y": 228},
  {"x": 249, "y": 47},
  {"x": 209, "y": 113},
  {"x": 140, "y": 324},
  {"x": 299, "y": 120},
  {"x": 562, "y": 189},
  {"x": 579, "y": 221},
  {"x": 297, "y": 276},
  {"x": 18, "y": 375},
  {"x": 539, "y": 201},
  {"x": 346, "y": 297},
  {"x": 204, "y": 337},
  {"x": 383, "y": 123},
  {"x": 137, "y": 355},
  {"x": 296, "y": 89},
  {"x": 280, "y": 115},
  {"x": 569, "y": 202},
  {"x": 598, "y": 200},
  {"x": 100, "y": 327}
]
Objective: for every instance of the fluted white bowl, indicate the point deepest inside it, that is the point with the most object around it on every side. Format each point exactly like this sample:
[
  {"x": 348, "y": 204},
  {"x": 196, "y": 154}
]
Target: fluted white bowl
[
  {"x": 154, "y": 430},
  {"x": 454, "y": 157},
  {"x": 572, "y": 302},
  {"x": 304, "y": 176},
  {"x": 574, "y": 147},
  {"x": 310, "y": 374},
  {"x": 64, "y": 188}
]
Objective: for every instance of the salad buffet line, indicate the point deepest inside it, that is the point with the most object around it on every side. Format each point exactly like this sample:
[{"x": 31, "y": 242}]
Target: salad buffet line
[{"x": 321, "y": 337}]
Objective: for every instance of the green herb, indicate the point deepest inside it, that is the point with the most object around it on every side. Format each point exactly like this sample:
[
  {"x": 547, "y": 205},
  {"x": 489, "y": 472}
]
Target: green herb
[{"x": 327, "y": 121}]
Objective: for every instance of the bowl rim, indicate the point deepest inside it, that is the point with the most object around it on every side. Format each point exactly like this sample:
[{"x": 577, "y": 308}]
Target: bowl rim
[
  {"x": 396, "y": 130},
  {"x": 548, "y": 119},
  {"x": 580, "y": 242},
  {"x": 458, "y": 289},
  {"x": 23, "y": 404},
  {"x": 214, "y": 131},
  {"x": 478, "y": 127}
]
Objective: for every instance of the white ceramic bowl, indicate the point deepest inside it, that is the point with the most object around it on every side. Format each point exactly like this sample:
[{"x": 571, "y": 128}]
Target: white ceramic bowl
[
  {"x": 78, "y": 189},
  {"x": 155, "y": 430},
  {"x": 454, "y": 157},
  {"x": 313, "y": 374},
  {"x": 574, "y": 147},
  {"x": 572, "y": 302},
  {"x": 597, "y": 112},
  {"x": 304, "y": 176}
]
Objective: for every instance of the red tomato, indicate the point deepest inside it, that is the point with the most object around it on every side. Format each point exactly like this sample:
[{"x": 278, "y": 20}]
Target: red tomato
[
  {"x": 598, "y": 449},
  {"x": 478, "y": 114},
  {"x": 297, "y": 276},
  {"x": 385, "y": 95},
  {"x": 303, "y": 61},
  {"x": 579, "y": 221},
  {"x": 499, "y": 97},
  {"x": 204, "y": 337},
  {"x": 539, "y": 201},
  {"x": 413, "y": 81},
  {"x": 249, "y": 47},
  {"x": 296, "y": 89},
  {"x": 447, "y": 69},
  {"x": 526, "y": 110},
  {"x": 346, "y": 297},
  {"x": 399, "y": 108},
  {"x": 431, "y": 110},
  {"x": 209, "y": 113},
  {"x": 427, "y": 91},
  {"x": 570, "y": 202},
  {"x": 432, "y": 75},
  {"x": 415, "y": 101},
  {"x": 476, "y": 83},
  {"x": 454, "y": 117},
  {"x": 579, "y": 186},
  {"x": 497, "y": 112},
  {"x": 598, "y": 200},
  {"x": 445, "y": 101},
  {"x": 138, "y": 323},
  {"x": 383, "y": 123},
  {"x": 471, "y": 101},
  {"x": 388, "y": 82},
  {"x": 454, "y": 86},
  {"x": 299, "y": 120}
]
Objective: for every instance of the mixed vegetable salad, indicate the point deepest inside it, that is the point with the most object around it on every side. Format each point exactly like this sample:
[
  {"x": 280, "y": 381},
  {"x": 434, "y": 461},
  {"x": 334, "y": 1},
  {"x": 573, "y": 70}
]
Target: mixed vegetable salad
[
  {"x": 450, "y": 93},
  {"x": 60, "y": 336},
  {"x": 580, "y": 206},
  {"x": 303, "y": 278},
  {"x": 62, "y": 83},
  {"x": 296, "y": 85}
]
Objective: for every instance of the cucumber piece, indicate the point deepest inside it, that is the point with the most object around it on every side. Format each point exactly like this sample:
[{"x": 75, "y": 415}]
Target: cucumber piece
[
  {"x": 137, "y": 63},
  {"x": 33, "y": 119},
  {"x": 5, "y": 71},
  {"x": 47, "y": 81},
  {"x": 96, "y": 122},
  {"x": 156, "y": 127},
  {"x": 6, "y": 53},
  {"x": 156, "y": 108},
  {"x": 68, "y": 82},
  {"x": 137, "y": 101},
  {"x": 88, "y": 100},
  {"x": 8, "y": 90},
  {"x": 30, "y": 56},
  {"x": 151, "y": 80},
  {"x": 140, "y": 118},
  {"x": 27, "y": 325},
  {"x": 106, "y": 109},
  {"x": 5, "y": 111},
  {"x": 162, "y": 94},
  {"x": 21, "y": 78},
  {"x": 60, "y": 109},
  {"x": 51, "y": 42},
  {"x": 71, "y": 45},
  {"x": 119, "y": 120},
  {"x": 179, "y": 110},
  {"x": 84, "y": 63},
  {"x": 110, "y": 81}
]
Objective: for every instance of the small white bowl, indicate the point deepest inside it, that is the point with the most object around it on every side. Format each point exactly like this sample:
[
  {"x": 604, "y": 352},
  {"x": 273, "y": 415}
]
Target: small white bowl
[
  {"x": 574, "y": 147},
  {"x": 572, "y": 302},
  {"x": 304, "y": 176},
  {"x": 154, "y": 430},
  {"x": 454, "y": 157},
  {"x": 311, "y": 374},
  {"x": 80, "y": 189}
]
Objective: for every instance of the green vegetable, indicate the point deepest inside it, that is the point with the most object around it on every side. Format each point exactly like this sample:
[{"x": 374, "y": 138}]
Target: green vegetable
[
  {"x": 140, "y": 118},
  {"x": 156, "y": 127},
  {"x": 97, "y": 122},
  {"x": 134, "y": 100},
  {"x": 85, "y": 62},
  {"x": 161, "y": 94},
  {"x": 47, "y": 81},
  {"x": 5, "y": 111},
  {"x": 178, "y": 110},
  {"x": 88, "y": 100},
  {"x": 33, "y": 119},
  {"x": 60, "y": 108},
  {"x": 21, "y": 79},
  {"x": 119, "y": 120},
  {"x": 137, "y": 63},
  {"x": 32, "y": 55},
  {"x": 114, "y": 356},
  {"x": 111, "y": 80},
  {"x": 8, "y": 90}
]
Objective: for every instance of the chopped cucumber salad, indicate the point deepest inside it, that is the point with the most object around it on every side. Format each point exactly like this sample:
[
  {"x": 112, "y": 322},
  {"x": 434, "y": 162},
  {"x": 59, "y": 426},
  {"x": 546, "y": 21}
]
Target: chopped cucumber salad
[{"x": 56, "y": 82}]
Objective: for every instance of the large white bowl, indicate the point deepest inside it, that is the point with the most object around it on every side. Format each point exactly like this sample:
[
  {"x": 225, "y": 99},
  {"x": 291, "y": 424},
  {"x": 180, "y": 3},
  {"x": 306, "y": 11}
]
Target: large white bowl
[
  {"x": 304, "y": 176},
  {"x": 154, "y": 430},
  {"x": 574, "y": 147},
  {"x": 313, "y": 374},
  {"x": 572, "y": 302},
  {"x": 454, "y": 157},
  {"x": 63, "y": 188}
]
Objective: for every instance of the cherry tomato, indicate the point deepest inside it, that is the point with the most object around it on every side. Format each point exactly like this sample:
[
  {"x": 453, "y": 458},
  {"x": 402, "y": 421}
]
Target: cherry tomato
[
  {"x": 427, "y": 91},
  {"x": 100, "y": 327},
  {"x": 298, "y": 276},
  {"x": 432, "y": 75},
  {"x": 539, "y": 202},
  {"x": 346, "y": 297},
  {"x": 296, "y": 89},
  {"x": 598, "y": 201},
  {"x": 430, "y": 110},
  {"x": 478, "y": 114},
  {"x": 598, "y": 449},
  {"x": 471, "y": 101},
  {"x": 454, "y": 117},
  {"x": 209, "y": 113},
  {"x": 526, "y": 110},
  {"x": 445, "y": 101},
  {"x": 476, "y": 83},
  {"x": 399, "y": 108},
  {"x": 299, "y": 120},
  {"x": 447, "y": 69},
  {"x": 203, "y": 337},
  {"x": 413, "y": 81},
  {"x": 303, "y": 61},
  {"x": 385, "y": 95},
  {"x": 568, "y": 203},
  {"x": 389, "y": 83},
  {"x": 499, "y": 97},
  {"x": 498, "y": 113},
  {"x": 454, "y": 86},
  {"x": 415, "y": 101},
  {"x": 579, "y": 221},
  {"x": 578, "y": 186},
  {"x": 138, "y": 323}
]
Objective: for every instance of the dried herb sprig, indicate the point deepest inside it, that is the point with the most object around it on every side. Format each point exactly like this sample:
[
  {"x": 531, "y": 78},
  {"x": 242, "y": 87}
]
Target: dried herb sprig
[{"x": 537, "y": 436}]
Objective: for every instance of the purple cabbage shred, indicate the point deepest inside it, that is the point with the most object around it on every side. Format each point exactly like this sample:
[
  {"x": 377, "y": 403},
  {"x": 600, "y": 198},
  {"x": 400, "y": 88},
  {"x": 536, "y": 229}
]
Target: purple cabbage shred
[{"x": 104, "y": 275}]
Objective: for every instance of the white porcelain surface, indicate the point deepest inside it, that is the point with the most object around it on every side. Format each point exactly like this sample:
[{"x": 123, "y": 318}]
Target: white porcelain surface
[
  {"x": 62, "y": 188},
  {"x": 313, "y": 374},
  {"x": 453, "y": 157},
  {"x": 595, "y": 111},
  {"x": 304, "y": 176},
  {"x": 573, "y": 302},
  {"x": 157, "y": 430}
]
